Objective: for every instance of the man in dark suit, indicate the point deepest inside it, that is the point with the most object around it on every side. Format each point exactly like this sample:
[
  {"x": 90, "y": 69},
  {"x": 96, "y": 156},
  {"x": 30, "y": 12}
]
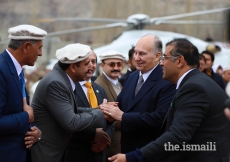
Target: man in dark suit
[
  {"x": 142, "y": 113},
  {"x": 55, "y": 106},
  {"x": 196, "y": 127},
  {"x": 89, "y": 145},
  {"x": 209, "y": 57},
  {"x": 112, "y": 64},
  {"x": 131, "y": 65},
  {"x": 15, "y": 113}
]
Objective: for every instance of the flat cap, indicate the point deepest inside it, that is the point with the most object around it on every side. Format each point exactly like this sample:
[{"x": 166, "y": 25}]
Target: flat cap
[
  {"x": 110, "y": 55},
  {"x": 73, "y": 53},
  {"x": 226, "y": 68},
  {"x": 24, "y": 32}
]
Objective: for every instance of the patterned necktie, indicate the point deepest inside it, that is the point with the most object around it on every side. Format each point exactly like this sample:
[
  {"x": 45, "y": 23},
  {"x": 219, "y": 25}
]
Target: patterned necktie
[
  {"x": 22, "y": 80},
  {"x": 139, "y": 84},
  {"x": 91, "y": 95}
]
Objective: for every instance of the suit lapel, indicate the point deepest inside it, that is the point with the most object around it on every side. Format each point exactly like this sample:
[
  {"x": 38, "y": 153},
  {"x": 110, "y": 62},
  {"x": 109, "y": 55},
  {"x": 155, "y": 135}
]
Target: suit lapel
[
  {"x": 63, "y": 74},
  {"x": 163, "y": 127},
  {"x": 110, "y": 87},
  {"x": 12, "y": 70},
  {"x": 81, "y": 95},
  {"x": 148, "y": 84}
]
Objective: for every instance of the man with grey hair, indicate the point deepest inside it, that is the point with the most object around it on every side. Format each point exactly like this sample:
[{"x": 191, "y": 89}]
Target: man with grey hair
[
  {"x": 16, "y": 116},
  {"x": 145, "y": 98},
  {"x": 55, "y": 106}
]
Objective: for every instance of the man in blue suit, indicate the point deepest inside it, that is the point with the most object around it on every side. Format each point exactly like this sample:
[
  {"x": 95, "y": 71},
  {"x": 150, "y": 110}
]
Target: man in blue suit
[
  {"x": 142, "y": 112},
  {"x": 15, "y": 113}
]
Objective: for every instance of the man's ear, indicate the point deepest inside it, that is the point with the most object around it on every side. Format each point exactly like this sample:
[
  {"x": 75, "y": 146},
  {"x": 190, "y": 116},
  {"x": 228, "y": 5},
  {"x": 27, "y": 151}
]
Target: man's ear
[
  {"x": 180, "y": 61},
  {"x": 158, "y": 56},
  {"x": 25, "y": 46},
  {"x": 72, "y": 67},
  {"x": 102, "y": 65}
]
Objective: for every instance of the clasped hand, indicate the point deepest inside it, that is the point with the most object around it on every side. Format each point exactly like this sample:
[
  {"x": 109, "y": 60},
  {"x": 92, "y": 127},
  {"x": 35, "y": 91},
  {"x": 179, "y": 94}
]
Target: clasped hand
[{"x": 111, "y": 111}]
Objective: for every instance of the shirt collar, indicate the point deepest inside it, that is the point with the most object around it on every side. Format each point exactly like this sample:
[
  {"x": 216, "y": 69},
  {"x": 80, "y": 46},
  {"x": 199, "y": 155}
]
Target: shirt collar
[
  {"x": 146, "y": 75},
  {"x": 83, "y": 82},
  {"x": 114, "y": 81},
  {"x": 182, "y": 77},
  {"x": 71, "y": 82},
  {"x": 16, "y": 64}
]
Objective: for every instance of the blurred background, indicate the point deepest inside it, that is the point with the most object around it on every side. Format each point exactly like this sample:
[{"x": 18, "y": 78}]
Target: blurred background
[{"x": 13, "y": 13}]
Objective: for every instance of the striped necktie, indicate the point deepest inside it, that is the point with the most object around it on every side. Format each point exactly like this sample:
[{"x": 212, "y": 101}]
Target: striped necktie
[
  {"x": 91, "y": 95},
  {"x": 139, "y": 84},
  {"x": 22, "y": 80}
]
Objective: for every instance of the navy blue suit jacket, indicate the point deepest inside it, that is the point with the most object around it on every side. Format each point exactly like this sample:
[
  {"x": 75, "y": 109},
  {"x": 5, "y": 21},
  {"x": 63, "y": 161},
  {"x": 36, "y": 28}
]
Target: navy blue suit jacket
[
  {"x": 79, "y": 146},
  {"x": 145, "y": 112},
  {"x": 14, "y": 122}
]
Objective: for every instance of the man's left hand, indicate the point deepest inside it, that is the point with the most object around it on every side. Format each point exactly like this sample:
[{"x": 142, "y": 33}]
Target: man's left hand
[{"x": 32, "y": 136}]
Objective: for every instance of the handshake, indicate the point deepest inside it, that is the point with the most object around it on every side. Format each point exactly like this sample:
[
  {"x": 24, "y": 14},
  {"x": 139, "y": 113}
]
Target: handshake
[{"x": 111, "y": 111}]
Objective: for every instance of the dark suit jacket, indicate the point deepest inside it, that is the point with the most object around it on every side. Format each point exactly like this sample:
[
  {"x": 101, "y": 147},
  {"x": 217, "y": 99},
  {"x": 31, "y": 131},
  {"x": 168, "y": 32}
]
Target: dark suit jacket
[
  {"x": 195, "y": 117},
  {"x": 218, "y": 79},
  {"x": 79, "y": 146},
  {"x": 56, "y": 114},
  {"x": 13, "y": 120},
  {"x": 123, "y": 77},
  {"x": 145, "y": 112}
]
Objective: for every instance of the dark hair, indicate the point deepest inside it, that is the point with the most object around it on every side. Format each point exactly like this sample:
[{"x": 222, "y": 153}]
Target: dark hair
[
  {"x": 15, "y": 44},
  {"x": 65, "y": 66},
  {"x": 210, "y": 54},
  {"x": 131, "y": 52},
  {"x": 185, "y": 48},
  {"x": 201, "y": 57}
]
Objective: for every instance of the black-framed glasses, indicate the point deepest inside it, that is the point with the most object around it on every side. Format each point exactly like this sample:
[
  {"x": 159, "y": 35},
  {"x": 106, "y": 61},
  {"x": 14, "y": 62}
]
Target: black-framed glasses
[
  {"x": 163, "y": 57},
  {"x": 113, "y": 64}
]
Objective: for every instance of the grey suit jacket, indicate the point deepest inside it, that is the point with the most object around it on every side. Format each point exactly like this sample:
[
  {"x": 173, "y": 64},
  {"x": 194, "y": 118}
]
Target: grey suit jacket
[
  {"x": 79, "y": 148},
  {"x": 106, "y": 84},
  {"x": 55, "y": 106}
]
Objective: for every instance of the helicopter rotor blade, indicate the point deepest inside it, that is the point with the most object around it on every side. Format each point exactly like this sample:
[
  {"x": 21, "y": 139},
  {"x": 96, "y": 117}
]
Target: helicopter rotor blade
[
  {"x": 213, "y": 22},
  {"x": 153, "y": 20},
  {"x": 113, "y": 25},
  {"x": 100, "y": 20}
]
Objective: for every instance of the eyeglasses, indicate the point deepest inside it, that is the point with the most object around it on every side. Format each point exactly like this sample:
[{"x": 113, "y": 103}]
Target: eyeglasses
[
  {"x": 113, "y": 64},
  {"x": 163, "y": 57}
]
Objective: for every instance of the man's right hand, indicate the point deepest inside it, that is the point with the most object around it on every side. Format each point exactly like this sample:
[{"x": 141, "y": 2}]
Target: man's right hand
[
  {"x": 29, "y": 110},
  {"x": 101, "y": 141}
]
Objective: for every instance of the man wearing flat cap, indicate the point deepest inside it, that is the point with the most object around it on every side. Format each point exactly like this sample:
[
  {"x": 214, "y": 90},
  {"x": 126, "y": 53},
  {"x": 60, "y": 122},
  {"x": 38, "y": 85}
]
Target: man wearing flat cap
[
  {"x": 112, "y": 64},
  {"x": 17, "y": 135},
  {"x": 55, "y": 107},
  {"x": 226, "y": 75}
]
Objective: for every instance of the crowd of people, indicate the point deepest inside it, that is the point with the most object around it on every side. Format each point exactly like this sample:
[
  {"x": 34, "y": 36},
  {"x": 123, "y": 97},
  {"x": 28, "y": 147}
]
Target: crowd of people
[{"x": 169, "y": 106}]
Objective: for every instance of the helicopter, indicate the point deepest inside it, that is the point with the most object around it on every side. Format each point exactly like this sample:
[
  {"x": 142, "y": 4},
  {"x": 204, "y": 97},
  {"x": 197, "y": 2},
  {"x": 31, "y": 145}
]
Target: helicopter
[{"x": 135, "y": 25}]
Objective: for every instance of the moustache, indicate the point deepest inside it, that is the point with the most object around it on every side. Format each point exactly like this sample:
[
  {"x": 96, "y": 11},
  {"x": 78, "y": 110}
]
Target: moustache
[{"x": 114, "y": 71}]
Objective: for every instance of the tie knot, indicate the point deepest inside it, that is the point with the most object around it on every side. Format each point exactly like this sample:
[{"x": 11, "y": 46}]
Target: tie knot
[
  {"x": 140, "y": 80},
  {"x": 88, "y": 84}
]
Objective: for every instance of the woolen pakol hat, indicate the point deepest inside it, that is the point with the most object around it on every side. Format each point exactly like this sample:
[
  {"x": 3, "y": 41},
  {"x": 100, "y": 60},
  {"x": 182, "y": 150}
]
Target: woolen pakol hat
[
  {"x": 26, "y": 32},
  {"x": 110, "y": 55},
  {"x": 73, "y": 53}
]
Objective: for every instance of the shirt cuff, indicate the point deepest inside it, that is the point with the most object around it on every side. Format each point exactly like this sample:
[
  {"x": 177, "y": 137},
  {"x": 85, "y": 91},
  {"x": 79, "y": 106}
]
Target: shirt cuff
[{"x": 135, "y": 156}]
